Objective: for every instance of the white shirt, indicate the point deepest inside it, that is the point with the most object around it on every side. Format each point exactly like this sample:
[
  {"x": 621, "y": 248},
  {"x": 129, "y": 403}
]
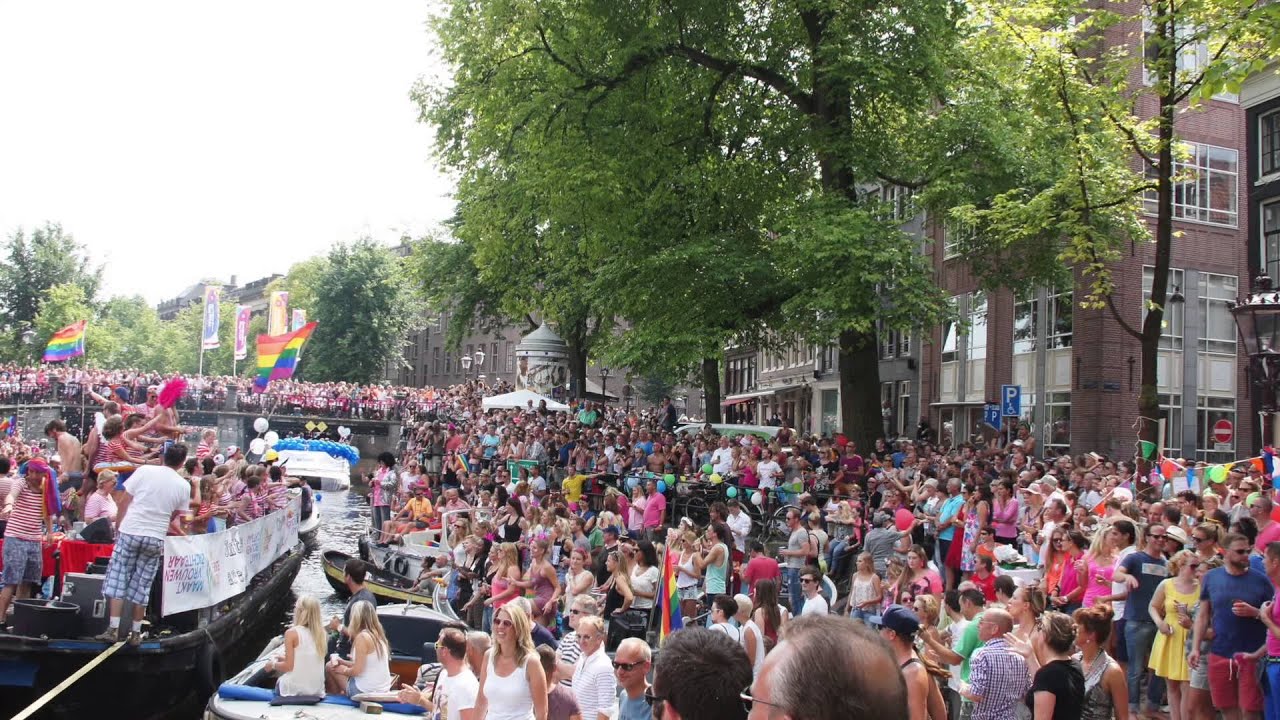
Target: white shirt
[
  {"x": 458, "y": 692},
  {"x": 740, "y": 525},
  {"x": 816, "y": 605},
  {"x": 158, "y": 492},
  {"x": 1117, "y": 606},
  {"x": 595, "y": 685},
  {"x": 722, "y": 460},
  {"x": 767, "y": 472}
]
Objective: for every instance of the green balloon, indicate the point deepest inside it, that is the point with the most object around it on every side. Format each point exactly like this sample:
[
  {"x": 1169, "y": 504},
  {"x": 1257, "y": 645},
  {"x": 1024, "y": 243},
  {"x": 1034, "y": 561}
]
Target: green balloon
[
  {"x": 731, "y": 491},
  {"x": 1218, "y": 473},
  {"x": 708, "y": 469},
  {"x": 670, "y": 479}
]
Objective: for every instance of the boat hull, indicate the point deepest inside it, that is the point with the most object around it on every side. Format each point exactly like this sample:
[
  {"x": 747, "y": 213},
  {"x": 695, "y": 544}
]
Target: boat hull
[
  {"x": 161, "y": 678},
  {"x": 387, "y": 589}
]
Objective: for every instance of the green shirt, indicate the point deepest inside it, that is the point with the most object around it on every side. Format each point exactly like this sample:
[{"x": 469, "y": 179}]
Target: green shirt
[
  {"x": 969, "y": 643},
  {"x": 596, "y": 537}
]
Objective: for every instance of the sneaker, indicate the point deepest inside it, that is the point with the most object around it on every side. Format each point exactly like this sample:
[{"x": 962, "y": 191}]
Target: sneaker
[
  {"x": 110, "y": 635},
  {"x": 135, "y": 639}
]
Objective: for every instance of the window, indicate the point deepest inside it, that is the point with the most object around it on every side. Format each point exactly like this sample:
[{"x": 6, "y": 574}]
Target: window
[
  {"x": 1209, "y": 412},
  {"x": 976, "y": 338},
  {"x": 448, "y": 364},
  {"x": 1217, "y": 293},
  {"x": 1271, "y": 238},
  {"x": 950, "y": 346},
  {"x": 1171, "y": 337},
  {"x": 901, "y": 202},
  {"x": 511, "y": 358},
  {"x": 904, "y": 406},
  {"x": 1204, "y": 187},
  {"x": 1171, "y": 411},
  {"x": 1061, "y": 312},
  {"x": 893, "y": 343},
  {"x": 1269, "y": 143},
  {"x": 1025, "y": 320},
  {"x": 1058, "y": 420},
  {"x": 954, "y": 235},
  {"x": 435, "y": 361}
]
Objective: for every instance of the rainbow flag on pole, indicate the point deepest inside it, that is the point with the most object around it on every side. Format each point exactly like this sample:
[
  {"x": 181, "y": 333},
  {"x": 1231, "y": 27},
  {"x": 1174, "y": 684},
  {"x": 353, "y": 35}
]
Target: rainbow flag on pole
[
  {"x": 669, "y": 598},
  {"x": 9, "y": 425},
  {"x": 66, "y": 343},
  {"x": 463, "y": 464},
  {"x": 278, "y": 355}
]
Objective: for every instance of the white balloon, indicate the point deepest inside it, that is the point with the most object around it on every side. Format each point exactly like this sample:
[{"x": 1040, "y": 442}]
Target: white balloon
[
  {"x": 272, "y": 438},
  {"x": 258, "y": 446},
  {"x": 344, "y": 432},
  {"x": 757, "y": 498},
  {"x": 261, "y": 425}
]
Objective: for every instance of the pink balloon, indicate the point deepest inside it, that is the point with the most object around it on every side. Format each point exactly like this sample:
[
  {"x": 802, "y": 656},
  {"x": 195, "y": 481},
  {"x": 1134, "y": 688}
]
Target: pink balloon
[{"x": 903, "y": 518}]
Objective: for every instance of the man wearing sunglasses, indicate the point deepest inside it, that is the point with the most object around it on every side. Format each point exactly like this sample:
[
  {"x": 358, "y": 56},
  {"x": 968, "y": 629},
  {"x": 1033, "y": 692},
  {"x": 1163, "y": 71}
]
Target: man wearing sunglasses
[
  {"x": 593, "y": 680},
  {"x": 630, "y": 666}
]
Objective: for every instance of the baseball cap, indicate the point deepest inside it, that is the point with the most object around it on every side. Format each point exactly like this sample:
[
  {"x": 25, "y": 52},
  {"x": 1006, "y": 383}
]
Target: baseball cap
[{"x": 901, "y": 620}]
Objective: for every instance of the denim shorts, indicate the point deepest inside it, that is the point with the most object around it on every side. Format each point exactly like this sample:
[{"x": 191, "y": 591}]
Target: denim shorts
[{"x": 23, "y": 561}]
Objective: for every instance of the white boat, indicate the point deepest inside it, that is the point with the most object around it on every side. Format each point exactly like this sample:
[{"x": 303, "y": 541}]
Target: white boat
[
  {"x": 417, "y": 547},
  {"x": 412, "y": 631},
  {"x": 320, "y": 469}
]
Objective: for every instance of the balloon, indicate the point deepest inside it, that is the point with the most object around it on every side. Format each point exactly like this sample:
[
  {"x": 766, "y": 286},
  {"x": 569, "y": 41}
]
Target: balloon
[
  {"x": 757, "y": 498},
  {"x": 708, "y": 469},
  {"x": 903, "y": 519},
  {"x": 662, "y": 486},
  {"x": 716, "y": 479},
  {"x": 272, "y": 438},
  {"x": 344, "y": 432},
  {"x": 261, "y": 425},
  {"x": 1218, "y": 473},
  {"x": 632, "y": 482},
  {"x": 731, "y": 491},
  {"x": 319, "y": 497},
  {"x": 670, "y": 479},
  {"x": 257, "y": 446}
]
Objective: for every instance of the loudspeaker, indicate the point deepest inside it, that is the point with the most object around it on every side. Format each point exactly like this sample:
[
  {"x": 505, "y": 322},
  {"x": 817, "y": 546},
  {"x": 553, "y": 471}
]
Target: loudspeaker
[{"x": 85, "y": 591}]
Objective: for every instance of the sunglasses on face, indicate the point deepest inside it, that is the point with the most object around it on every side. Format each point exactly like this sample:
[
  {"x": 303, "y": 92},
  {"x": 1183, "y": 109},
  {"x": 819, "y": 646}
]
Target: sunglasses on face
[
  {"x": 502, "y": 622},
  {"x": 627, "y": 667}
]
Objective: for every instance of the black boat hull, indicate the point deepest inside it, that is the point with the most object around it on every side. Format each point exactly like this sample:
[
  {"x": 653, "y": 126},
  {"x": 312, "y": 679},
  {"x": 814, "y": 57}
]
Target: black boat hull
[
  {"x": 387, "y": 589},
  {"x": 169, "y": 677}
]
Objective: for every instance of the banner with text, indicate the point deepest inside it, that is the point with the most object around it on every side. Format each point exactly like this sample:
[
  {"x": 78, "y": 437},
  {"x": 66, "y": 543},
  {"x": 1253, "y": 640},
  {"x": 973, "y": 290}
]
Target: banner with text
[
  {"x": 242, "y": 331},
  {"x": 299, "y": 319},
  {"x": 278, "y": 313},
  {"x": 212, "y": 317},
  {"x": 203, "y": 570}
]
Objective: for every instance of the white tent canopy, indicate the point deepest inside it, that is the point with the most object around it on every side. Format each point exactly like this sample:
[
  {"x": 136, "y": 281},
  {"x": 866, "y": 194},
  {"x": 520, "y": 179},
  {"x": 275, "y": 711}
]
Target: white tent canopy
[{"x": 519, "y": 400}]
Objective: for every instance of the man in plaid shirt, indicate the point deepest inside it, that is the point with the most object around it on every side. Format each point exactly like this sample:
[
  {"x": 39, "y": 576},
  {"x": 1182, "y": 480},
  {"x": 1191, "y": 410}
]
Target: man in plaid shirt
[{"x": 998, "y": 677}]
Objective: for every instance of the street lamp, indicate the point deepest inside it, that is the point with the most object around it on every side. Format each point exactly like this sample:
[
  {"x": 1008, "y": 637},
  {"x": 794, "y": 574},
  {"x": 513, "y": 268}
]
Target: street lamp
[
  {"x": 465, "y": 360},
  {"x": 604, "y": 383},
  {"x": 479, "y": 362},
  {"x": 1257, "y": 317}
]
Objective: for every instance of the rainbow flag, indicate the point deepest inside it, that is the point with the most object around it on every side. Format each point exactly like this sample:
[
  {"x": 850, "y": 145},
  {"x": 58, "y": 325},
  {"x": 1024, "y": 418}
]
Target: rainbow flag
[
  {"x": 66, "y": 343},
  {"x": 9, "y": 425},
  {"x": 278, "y": 355},
  {"x": 670, "y": 599},
  {"x": 463, "y": 464}
]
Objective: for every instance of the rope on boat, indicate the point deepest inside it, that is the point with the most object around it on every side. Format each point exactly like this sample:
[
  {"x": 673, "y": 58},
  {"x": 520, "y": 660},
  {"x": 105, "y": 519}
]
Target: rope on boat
[{"x": 44, "y": 699}]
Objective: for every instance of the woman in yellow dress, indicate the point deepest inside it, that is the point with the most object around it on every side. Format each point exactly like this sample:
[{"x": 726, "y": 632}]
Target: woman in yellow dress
[{"x": 1170, "y": 609}]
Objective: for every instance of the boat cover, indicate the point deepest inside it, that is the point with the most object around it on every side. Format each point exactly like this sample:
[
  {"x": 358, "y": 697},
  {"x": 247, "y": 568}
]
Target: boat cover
[{"x": 228, "y": 691}]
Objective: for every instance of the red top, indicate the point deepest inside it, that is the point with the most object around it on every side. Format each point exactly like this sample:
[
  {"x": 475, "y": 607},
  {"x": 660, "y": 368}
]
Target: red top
[{"x": 760, "y": 568}]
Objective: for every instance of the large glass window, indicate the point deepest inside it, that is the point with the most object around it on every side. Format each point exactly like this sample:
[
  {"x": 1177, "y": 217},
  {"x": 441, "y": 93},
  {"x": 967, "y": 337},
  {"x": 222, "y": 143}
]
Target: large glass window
[
  {"x": 435, "y": 361},
  {"x": 1027, "y": 317},
  {"x": 901, "y": 201},
  {"x": 1171, "y": 336},
  {"x": 893, "y": 343},
  {"x": 954, "y": 234},
  {"x": 1058, "y": 421},
  {"x": 511, "y": 358},
  {"x": 950, "y": 337},
  {"x": 1217, "y": 293},
  {"x": 1171, "y": 411},
  {"x": 1271, "y": 237},
  {"x": 1025, "y": 321},
  {"x": 1205, "y": 186},
  {"x": 1209, "y": 412},
  {"x": 1269, "y": 143},
  {"x": 976, "y": 338},
  {"x": 1061, "y": 314},
  {"x": 904, "y": 406}
]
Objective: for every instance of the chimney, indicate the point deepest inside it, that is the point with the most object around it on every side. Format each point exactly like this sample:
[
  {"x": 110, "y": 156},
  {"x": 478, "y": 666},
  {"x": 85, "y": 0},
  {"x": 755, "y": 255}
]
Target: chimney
[{"x": 233, "y": 281}]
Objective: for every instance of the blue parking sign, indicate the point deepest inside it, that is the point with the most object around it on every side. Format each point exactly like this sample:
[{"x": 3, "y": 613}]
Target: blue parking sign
[
  {"x": 1011, "y": 400},
  {"x": 991, "y": 415}
]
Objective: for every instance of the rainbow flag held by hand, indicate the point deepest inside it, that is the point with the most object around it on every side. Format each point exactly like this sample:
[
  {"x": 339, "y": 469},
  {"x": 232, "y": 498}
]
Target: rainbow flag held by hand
[
  {"x": 463, "y": 464},
  {"x": 66, "y": 343},
  {"x": 669, "y": 597},
  {"x": 9, "y": 425},
  {"x": 278, "y": 355}
]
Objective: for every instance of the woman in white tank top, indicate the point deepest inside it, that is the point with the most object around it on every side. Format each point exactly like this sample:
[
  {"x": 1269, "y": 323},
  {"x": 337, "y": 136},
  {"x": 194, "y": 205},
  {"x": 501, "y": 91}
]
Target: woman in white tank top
[
  {"x": 369, "y": 669},
  {"x": 302, "y": 664},
  {"x": 520, "y": 693}
]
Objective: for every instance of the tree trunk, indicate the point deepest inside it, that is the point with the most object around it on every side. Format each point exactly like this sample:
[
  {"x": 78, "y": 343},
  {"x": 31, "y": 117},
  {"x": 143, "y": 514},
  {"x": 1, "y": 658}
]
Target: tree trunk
[
  {"x": 711, "y": 389},
  {"x": 575, "y": 337},
  {"x": 860, "y": 419},
  {"x": 1152, "y": 327}
]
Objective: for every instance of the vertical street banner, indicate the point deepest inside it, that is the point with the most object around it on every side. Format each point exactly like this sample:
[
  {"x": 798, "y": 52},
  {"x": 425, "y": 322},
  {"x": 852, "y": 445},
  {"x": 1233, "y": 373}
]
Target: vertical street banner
[
  {"x": 212, "y": 317},
  {"x": 278, "y": 313},
  {"x": 299, "y": 319},
  {"x": 242, "y": 332}
]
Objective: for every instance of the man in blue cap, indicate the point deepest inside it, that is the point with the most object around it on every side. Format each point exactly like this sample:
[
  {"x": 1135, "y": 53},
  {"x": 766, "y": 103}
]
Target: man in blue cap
[{"x": 898, "y": 627}]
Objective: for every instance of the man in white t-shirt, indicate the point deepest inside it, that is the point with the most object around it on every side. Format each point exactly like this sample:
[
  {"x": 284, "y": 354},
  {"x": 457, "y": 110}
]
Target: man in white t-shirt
[
  {"x": 722, "y": 458},
  {"x": 152, "y": 495},
  {"x": 739, "y": 524},
  {"x": 814, "y": 603},
  {"x": 456, "y": 688},
  {"x": 768, "y": 470}
]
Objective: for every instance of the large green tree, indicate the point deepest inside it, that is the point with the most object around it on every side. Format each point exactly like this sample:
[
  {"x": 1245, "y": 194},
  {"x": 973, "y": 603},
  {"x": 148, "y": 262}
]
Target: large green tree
[
  {"x": 365, "y": 307},
  {"x": 560, "y": 116},
  {"x": 32, "y": 263}
]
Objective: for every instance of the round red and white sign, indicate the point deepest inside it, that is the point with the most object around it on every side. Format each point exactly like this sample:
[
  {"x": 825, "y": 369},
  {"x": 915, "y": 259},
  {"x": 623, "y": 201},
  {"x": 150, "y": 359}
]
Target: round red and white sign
[{"x": 1223, "y": 431}]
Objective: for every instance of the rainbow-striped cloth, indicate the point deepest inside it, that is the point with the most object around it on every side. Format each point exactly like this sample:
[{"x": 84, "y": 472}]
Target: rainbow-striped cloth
[
  {"x": 278, "y": 355},
  {"x": 66, "y": 343}
]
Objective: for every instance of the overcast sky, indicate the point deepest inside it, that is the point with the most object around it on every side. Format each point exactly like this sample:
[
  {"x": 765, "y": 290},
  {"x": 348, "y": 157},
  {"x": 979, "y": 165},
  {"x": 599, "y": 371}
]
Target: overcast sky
[{"x": 179, "y": 140}]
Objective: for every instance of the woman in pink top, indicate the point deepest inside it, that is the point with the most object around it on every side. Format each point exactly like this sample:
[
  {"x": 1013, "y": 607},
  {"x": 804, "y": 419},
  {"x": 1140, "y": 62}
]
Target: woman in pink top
[
  {"x": 1004, "y": 513},
  {"x": 1094, "y": 571}
]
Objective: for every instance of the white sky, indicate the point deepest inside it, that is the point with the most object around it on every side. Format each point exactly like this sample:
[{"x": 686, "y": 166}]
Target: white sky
[{"x": 178, "y": 140}]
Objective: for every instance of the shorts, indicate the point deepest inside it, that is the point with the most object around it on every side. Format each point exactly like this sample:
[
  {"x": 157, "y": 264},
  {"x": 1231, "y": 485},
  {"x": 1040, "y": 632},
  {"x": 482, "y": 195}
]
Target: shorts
[
  {"x": 23, "y": 561},
  {"x": 352, "y": 690},
  {"x": 689, "y": 593},
  {"x": 133, "y": 568},
  {"x": 1234, "y": 684},
  {"x": 1121, "y": 645},
  {"x": 1199, "y": 679}
]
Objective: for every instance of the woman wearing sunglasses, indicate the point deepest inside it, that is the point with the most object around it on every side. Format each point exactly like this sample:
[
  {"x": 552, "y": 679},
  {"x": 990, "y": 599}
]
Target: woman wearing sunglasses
[{"x": 513, "y": 685}]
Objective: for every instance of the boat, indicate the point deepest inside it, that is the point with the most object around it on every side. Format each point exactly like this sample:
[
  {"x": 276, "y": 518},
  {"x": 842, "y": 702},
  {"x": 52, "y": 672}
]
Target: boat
[
  {"x": 405, "y": 559},
  {"x": 320, "y": 470},
  {"x": 412, "y": 630},
  {"x": 386, "y": 587},
  {"x": 213, "y": 621},
  {"x": 309, "y": 524}
]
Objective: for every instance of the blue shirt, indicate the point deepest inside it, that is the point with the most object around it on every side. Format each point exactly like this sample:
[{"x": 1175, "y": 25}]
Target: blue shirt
[
  {"x": 629, "y": 709},
  {"x": 1150, "y": 571},
  {"x": 947, "y": 513},
  {"x": 565, "y": 451},
  {"x": 490, "y": 443},
  {"x": 1233, "y": 634}
]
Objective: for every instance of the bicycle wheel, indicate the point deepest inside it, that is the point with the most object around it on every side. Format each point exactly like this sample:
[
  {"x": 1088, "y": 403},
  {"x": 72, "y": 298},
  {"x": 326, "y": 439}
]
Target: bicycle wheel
[
  {"x": 777, "y": 530},
  {"x": 697, "y": 510}
]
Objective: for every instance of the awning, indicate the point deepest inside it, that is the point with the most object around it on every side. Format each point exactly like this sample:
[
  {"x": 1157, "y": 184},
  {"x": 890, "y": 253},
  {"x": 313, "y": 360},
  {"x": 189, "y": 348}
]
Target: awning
[
  {"x": 964, "y": 403},
  {"x": 746, "y": 397}
]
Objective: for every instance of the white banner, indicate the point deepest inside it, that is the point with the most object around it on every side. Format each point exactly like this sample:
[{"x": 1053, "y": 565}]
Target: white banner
[
  {"x": 203, "y": 570},
  {"x": 212, "y": 317}
]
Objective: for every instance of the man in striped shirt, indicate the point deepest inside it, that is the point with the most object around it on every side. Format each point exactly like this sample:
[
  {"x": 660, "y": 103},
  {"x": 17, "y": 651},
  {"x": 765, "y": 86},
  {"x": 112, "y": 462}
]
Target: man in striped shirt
[{"x": 28, "y": 524}]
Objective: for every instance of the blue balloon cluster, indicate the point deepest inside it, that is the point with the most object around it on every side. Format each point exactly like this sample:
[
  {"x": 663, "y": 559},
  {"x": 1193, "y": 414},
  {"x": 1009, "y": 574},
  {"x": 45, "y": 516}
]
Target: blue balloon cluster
[{"x": 338, "y": 450}]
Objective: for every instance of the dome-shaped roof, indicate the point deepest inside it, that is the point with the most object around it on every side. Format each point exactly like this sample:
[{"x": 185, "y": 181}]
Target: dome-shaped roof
[{"x": 542, "y": 342}]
